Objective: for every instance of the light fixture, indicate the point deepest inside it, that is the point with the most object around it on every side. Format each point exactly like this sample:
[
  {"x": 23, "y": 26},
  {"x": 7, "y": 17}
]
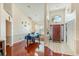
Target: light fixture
[{"x": 29, "y": 6}]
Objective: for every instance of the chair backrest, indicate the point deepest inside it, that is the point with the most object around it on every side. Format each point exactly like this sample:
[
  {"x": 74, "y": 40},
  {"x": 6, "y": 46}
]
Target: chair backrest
[
  {"x": 37, "y": 35},
  {"x": 28, "y": 37}
]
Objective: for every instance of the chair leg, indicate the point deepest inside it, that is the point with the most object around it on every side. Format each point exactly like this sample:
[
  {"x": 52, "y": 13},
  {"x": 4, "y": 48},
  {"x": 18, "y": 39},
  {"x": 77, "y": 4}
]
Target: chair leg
[
  {"x": 39, "y": 40},
  {"x": 27, "y": 42},
  {"x": 33, "y": 40}
]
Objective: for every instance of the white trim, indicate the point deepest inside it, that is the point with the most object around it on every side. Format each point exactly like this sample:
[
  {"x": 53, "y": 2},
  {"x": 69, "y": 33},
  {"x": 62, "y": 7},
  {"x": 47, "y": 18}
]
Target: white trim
[{"x": 18, "y": 41}]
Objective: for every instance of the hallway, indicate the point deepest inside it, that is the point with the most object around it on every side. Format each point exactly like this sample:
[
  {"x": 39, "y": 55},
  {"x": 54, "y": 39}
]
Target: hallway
[{"x": 39, "y": 29}]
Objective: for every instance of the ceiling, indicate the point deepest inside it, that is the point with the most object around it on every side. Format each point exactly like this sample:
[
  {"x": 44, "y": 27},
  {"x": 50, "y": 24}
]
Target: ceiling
[
  {"x": 36, "y": 10},
  {"x": 56, "y": 6}
]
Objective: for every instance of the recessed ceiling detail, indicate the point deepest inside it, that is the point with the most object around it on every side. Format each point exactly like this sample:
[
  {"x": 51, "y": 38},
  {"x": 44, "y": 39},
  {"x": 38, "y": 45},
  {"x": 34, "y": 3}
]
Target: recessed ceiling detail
[{"x": 35, "y": 11}]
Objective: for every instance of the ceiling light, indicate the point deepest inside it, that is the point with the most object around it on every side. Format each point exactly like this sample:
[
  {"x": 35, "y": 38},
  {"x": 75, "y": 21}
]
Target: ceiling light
[{"x": 29, "y": 6}]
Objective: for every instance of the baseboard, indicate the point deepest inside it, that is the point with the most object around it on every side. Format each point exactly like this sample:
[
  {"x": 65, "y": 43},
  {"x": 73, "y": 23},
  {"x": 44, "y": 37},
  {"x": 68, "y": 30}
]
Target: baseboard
[{"x": 19, "y": 41}]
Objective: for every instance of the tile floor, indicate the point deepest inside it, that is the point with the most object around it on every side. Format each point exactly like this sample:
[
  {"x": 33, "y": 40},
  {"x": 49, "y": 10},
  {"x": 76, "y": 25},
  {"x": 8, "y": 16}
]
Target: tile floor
[
  {"x": 59, "y": 47},
  {"x": 40, "y": 49}
]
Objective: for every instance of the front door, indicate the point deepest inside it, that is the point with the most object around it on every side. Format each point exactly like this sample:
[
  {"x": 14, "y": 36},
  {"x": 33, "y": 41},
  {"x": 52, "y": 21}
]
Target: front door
[{"x": 56, "y": 33}]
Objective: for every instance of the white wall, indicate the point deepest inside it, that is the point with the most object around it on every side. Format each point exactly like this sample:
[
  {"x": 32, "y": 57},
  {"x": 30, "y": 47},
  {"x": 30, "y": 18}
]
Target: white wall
[
  {"x": 70, "y": 16},
  {"x": 3, "y": 24},
  {"x": 4, "y": 16},
  {"x": 3, "y": 27},
  {"x": 0, "y": 21},
  {"x": 75, "y": 6},
  {"x": 71, "y": 35},
  {"x": 19, "y": 31},
  {"x": 70, "y": 20}
]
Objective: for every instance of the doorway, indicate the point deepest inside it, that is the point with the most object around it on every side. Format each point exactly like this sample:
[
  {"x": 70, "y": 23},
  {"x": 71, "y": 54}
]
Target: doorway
[
  {"x": 57, "y": 32},
  {"x": 8, "y": 37}
]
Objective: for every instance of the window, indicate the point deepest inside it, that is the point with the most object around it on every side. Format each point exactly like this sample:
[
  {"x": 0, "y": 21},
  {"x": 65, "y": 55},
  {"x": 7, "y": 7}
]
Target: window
[{"x": 57, "y": 19}]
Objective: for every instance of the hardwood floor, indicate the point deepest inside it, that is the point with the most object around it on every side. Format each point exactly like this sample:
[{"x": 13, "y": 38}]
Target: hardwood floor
[
  {"x": 49, "y": 52},
  {"x": 8, "y": 50},
  {"x": 31, "y": 48},
  {"x": 20, "y": 49}
]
